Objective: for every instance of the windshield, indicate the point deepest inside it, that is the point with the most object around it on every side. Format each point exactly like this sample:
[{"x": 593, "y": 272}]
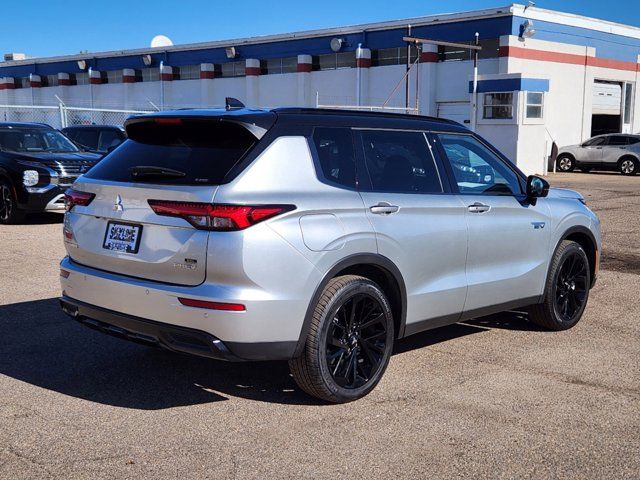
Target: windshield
[{"x": 32, "y": 140}]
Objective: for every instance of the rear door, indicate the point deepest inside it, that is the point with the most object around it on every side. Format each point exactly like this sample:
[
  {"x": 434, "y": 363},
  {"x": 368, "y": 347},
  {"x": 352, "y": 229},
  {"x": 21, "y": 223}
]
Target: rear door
[
  {"x": 617, "y": 146},
  {"x": 182, "y": 160},
  {"x": 420, "y": 226},
  {"x": 508, "y": 238}
]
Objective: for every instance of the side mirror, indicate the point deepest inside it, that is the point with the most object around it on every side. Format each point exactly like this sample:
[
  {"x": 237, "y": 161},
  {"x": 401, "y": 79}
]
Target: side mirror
[{"x": 536, "y": 187}]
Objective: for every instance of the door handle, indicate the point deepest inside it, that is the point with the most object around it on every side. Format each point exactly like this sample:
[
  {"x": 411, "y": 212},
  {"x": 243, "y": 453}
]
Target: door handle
[
  {"x": 478, "y": 208},
  {"x": 384, "y": 208}
]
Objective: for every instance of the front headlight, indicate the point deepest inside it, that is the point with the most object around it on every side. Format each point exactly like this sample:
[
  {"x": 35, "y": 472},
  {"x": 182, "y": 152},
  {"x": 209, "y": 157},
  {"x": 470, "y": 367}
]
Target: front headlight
[{"x": 30, "y": 178}]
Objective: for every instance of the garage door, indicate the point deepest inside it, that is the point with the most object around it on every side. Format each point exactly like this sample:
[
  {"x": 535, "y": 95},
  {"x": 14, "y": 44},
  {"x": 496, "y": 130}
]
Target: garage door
[
  {"x": 607, "y": 98},
  {"x": 457, "y": 111}
]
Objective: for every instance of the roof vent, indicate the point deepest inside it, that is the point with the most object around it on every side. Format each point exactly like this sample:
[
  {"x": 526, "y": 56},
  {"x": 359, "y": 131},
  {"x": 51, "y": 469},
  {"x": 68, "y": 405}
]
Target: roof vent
[{"x": 12, "y": 57}]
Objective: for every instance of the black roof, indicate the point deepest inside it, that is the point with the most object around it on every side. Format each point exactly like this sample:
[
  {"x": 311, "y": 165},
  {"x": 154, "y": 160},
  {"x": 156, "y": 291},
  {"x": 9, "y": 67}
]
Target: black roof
[
  {"x": 44, "y": 126},
  {"x": 81, "y": 127},
  {"x": 264, "y": 119}
]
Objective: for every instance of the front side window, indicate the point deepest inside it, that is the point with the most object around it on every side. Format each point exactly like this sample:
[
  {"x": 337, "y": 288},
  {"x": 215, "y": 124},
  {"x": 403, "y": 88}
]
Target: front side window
[
  {"x": 400, "y": 162},
  {"x": 108, "y": 138},
  {"x": 534, "y": 104},
  {"x": 476, "y": 168},
  {"x": 498, "y": 105},
  {"x": 34, "y": 140},
  {"x": 335, "y": 155},
  {"x": 595, "y": 141}
]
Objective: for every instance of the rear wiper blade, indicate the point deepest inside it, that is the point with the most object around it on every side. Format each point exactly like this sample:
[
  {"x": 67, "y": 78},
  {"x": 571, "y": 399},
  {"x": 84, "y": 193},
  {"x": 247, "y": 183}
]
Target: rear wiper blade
[{"x": 151, "y": 171}]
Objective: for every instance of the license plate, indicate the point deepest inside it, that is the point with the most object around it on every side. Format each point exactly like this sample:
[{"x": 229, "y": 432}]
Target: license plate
[{"x": 122, "y": 237}]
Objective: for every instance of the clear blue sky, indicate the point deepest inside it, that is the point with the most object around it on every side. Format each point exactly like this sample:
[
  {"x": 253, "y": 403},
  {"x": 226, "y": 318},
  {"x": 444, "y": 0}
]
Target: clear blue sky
[{"x": 58, "y": 27}]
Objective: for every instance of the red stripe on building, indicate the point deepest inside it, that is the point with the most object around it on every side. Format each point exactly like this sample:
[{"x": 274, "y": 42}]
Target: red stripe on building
[
  {"x": 305, "y": 67},
  {"x": 128, "y": 79},
  {"x": 35, "y": 84},
  {"x": 429, "y": 57},
  {"x": 252, "y": 71},
  {"x": 207, "y": 74},
  {"x": 363, "y": 62},
  {"x": 166, "y": 77},
  {"x": 567, "y": 58},
  {"x": 95, "y": 80},
  {"x": 64, "y": 82}
]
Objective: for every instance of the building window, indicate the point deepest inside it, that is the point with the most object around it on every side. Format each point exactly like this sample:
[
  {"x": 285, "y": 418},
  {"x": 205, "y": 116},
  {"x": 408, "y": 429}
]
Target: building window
[
  {"x": 233, "y": 69},
  {"x": 498, "y": 105},
  {"x": 50, "y": 80},
  {"x": 334, "y": 61},
  {"x": 628, "y": 105},
  {"x": 22, "y": 82},
  {"x": 113, "y": 76},
  {"x": 534, "y": 104},
  {"x": 392, "y": 56},
  {"x": 81, "y": 78},
  {"x": 490, "y": 47},
  {"x": 150, "y": 74},
  {"x": 186, "y": 72},
  {"x": 279, "y": 65}
]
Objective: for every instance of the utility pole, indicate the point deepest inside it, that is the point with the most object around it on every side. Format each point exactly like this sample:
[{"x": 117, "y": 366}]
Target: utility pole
[{"x": 406, "y": 85}]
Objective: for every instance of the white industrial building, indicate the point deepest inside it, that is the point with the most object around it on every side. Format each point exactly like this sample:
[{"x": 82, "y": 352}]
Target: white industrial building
[{"x": 542, "y": 76}]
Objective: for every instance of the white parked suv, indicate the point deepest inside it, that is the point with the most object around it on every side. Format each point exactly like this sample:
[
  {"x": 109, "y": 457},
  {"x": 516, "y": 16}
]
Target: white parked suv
[{"x": 316, "y": 236}]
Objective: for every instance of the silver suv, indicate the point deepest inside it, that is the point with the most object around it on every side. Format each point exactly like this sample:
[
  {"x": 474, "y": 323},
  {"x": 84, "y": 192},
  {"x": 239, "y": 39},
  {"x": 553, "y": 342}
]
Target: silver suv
[
  {"x": 605, "y": 152},
  {"x": 316, "y": 236}
]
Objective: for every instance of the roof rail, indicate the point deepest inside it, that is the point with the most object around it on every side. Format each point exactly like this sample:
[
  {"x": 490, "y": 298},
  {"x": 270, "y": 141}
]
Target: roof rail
[{"x": 360, "y": 113}]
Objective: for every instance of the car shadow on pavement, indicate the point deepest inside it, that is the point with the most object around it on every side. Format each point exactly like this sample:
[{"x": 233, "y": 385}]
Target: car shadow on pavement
[{"x": 43, "y": 347}]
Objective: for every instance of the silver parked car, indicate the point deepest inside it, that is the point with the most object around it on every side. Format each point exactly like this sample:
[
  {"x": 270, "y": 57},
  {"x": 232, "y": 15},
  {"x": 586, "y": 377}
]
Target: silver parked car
[
  {"x": 617, "y": 151},
  {"x": 316, "y": 236}
]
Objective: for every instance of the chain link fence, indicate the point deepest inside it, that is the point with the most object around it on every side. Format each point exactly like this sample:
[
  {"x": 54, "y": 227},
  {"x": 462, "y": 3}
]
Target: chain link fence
[{"x": 61, "y": 116}]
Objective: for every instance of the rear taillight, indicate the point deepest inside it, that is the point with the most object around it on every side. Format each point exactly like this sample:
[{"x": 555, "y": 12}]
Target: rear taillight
[
  {"x": 207, "y": 216},
  {"x": 76, "y": 197}
]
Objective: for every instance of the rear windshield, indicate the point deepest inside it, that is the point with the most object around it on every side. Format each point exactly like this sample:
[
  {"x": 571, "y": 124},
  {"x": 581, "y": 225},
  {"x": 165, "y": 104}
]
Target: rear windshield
[{"x": 184, "y": 151}]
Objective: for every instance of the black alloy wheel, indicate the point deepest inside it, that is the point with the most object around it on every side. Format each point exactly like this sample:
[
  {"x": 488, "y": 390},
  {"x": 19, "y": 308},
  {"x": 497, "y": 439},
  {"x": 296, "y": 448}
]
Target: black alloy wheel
[
  {"x": 571, "y": 287},
  {"x": 356, "y": 341}
]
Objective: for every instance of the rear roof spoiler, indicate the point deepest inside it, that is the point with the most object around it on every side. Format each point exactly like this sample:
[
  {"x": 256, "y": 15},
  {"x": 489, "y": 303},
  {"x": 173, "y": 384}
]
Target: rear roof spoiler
[{"x": 257, "y": 122}]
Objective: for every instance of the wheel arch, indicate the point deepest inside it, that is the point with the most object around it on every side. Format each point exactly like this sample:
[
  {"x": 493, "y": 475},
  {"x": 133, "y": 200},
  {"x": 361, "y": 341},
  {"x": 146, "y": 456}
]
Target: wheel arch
[
  {"x": 630, "y": 155},
  {"x": 585, "y": 238},
  {"x": 378, "y": 269}
]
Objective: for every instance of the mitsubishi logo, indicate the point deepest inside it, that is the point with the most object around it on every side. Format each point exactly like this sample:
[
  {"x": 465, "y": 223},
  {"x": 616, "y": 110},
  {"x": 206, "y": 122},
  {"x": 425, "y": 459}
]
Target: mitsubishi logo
[{"x": 117, "y": 206}]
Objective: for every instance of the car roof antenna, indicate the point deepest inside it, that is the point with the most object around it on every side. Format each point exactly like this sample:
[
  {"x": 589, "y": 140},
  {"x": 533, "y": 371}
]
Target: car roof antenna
[{"x": 231, "y": 103}]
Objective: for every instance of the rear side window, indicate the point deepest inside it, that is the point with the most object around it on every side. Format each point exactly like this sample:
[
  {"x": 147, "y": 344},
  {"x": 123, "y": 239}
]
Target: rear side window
[
  {"x": 335, "y": 155},
  {"x": 616, "y": 140},
  {"x": 108, "y": 138},
  {"x": 176, "y": 151},
  {"x": 87, "y": 138},
  {"x": 400, "y": 162}
]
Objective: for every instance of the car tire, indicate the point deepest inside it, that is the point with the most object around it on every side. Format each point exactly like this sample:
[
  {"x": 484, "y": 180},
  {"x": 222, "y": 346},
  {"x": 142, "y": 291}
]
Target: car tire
[
  {"x": 9, "y": 212},
  {"x": 349, "y": 343},
  {"x": 567, "y": 289},
  {"x": 566, "y": 163},
  {"x": 628, "y": 166}
]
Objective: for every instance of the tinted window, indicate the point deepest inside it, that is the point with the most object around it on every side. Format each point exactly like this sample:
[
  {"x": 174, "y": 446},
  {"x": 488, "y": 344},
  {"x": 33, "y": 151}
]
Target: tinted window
[
  {"x": 88, "y": 138},
  {"x": 400, "y": 162},
  {"x": 476, "y": 168},
  {"x": 335, "y": 155},
  {"x": 618, "y": 140},
  {"x": 633, "y": 140},
  {"x": 592, "y": 142},
  {"x": 34, "y": 140},
  {"x": 203, "y": 150},
  {"x": 109, "y": 138}
]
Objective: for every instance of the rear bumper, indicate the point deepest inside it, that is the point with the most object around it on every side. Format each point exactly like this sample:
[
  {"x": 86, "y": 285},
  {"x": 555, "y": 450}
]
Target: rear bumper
[
  {"x": 148, "y": 332},
  {"x": 147, "y": 311}
]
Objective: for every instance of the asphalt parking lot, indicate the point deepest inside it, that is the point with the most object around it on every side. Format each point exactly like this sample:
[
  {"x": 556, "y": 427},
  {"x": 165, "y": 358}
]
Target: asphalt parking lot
[{"x": 494, "y": 397}]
